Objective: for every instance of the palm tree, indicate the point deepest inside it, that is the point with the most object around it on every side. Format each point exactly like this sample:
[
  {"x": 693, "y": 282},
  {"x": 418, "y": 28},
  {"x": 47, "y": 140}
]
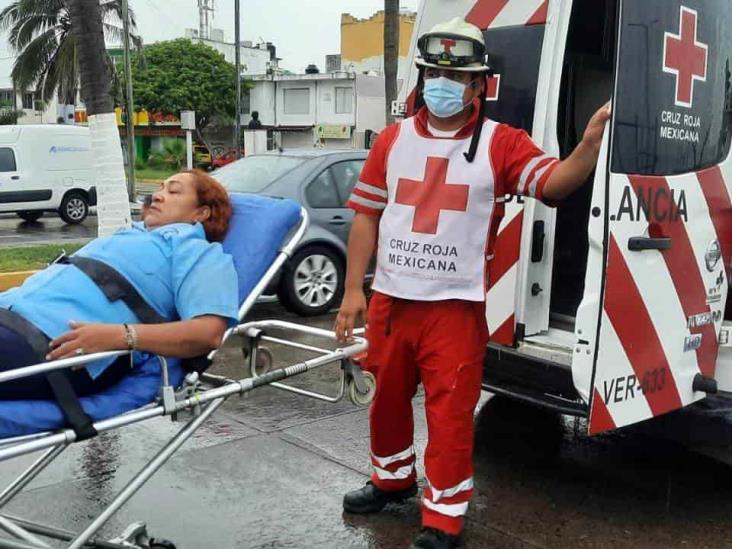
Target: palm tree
[
  {"x": 391, "y": 53},
  {"x": 87, "y": 32},
  {"x": 40, "y": 31}
]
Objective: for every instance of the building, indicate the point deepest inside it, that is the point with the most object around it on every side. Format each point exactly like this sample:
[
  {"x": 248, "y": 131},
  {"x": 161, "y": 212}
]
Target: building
[
  {"x": 258, "y": 58},
  {"x": 362, "y": 41},
  {"x": 34, "y": 110},
  {"x": 334, "y": 110}
]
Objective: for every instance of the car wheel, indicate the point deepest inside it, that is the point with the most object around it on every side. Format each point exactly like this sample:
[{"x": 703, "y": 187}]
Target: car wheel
[
  {"x": 74, "y": 208},
  {"x": 312, "y": 282},
  {"x": 30, "y": 216}
]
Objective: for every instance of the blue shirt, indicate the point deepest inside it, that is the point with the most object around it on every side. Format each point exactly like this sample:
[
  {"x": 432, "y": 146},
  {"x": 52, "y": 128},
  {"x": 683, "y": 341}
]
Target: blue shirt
[{"x": 178, "y": 272}]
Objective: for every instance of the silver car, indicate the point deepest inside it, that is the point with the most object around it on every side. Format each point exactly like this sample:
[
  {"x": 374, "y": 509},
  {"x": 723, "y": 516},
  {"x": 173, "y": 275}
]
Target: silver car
[{"x": 312, "y": 282}]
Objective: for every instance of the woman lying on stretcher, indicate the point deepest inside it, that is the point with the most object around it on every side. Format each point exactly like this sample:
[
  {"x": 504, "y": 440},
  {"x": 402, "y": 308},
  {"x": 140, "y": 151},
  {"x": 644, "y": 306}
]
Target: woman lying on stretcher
[{"x": 164, "y": 286}]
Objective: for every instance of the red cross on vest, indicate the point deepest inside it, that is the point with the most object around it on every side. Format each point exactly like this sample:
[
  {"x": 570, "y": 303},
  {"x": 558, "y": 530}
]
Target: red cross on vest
[
  {"x": 685, "y": 57},
  {"x": 431, "y": 196}
]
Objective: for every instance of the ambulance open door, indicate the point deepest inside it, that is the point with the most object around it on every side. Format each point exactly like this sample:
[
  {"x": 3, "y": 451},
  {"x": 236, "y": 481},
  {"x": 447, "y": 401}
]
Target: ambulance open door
[{"x": 660, "y": 230}]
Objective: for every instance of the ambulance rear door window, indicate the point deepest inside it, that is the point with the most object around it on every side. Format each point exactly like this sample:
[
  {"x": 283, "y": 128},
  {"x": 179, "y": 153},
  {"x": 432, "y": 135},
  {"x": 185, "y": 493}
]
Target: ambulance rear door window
[
  {"x": 673, "y": 110},
  {"x": 514, "y": 54}
]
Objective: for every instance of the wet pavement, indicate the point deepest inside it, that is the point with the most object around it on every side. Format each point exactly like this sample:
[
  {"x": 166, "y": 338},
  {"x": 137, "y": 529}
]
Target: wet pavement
[
  {"x": 49, "y": 228},
  {"x": 269, "y": 471}
]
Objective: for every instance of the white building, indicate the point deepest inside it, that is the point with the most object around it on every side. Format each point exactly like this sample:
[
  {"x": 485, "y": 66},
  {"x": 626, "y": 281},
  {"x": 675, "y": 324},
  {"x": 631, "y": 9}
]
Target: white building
[
  {"x": 34, "y": 110},
  {"x": 258, "y": 58},
  {"x": 333, "y": 110}
]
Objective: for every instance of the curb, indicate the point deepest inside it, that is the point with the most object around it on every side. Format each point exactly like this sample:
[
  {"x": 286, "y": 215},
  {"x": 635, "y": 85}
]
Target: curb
[{"x": 11, "y": 280}]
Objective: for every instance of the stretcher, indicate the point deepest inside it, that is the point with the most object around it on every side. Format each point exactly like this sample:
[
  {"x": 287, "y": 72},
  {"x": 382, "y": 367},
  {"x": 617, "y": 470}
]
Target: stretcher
[{"x": 159, "y": 386}]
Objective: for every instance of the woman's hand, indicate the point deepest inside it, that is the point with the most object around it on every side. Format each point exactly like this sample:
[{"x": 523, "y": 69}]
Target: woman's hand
[{"x": 85, "y": 339}]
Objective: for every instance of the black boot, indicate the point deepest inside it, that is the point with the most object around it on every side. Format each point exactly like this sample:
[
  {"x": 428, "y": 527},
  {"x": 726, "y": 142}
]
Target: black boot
[
  {"x": 371, "y": 499},
  {"x": 431, "y": 538}
]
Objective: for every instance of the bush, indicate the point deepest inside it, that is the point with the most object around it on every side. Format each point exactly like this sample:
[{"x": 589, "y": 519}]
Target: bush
[
  {"x": 172, "y": 156},
  {"x": 157, "y": 160}
]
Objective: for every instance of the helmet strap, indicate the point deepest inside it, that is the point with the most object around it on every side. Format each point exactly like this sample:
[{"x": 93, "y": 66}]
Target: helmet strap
[
  {"x": 418, "y": 97},
  {"x": 473, "y": 150}
]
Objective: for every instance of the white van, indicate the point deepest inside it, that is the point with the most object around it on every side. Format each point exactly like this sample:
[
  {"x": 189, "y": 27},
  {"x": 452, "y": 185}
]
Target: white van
[
  {"x": 46, "y": 168},
  {"x": 612, "y": 306}
]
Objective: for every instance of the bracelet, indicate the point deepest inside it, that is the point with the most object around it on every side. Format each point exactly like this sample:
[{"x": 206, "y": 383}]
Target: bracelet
[{"x": 130, "y": 337}]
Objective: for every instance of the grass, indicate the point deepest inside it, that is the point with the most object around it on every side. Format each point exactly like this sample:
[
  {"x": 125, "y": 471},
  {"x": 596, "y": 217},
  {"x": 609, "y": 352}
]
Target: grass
[
  {"x": 154, "y": 174},
  {"x": 31, "y": 258}
]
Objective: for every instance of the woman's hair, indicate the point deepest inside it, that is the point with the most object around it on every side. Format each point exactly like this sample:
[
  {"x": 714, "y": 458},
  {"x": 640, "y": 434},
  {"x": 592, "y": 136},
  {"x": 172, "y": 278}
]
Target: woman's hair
[{"x": 211, "y": 193}]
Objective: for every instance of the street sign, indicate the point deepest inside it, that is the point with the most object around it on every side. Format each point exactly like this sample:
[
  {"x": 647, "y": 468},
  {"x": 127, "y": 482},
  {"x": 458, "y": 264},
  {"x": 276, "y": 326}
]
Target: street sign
[
  {"x": 188, "y": 120},
  {"x": 333, "y": 131}
]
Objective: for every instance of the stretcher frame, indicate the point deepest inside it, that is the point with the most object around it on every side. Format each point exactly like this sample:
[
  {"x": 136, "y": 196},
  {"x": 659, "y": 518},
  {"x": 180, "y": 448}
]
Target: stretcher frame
[{"x": 200, "y": 394}]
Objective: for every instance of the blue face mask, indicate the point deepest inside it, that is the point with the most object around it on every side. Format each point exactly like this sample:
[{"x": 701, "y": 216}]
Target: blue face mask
[{"x": 444, "y": 97}]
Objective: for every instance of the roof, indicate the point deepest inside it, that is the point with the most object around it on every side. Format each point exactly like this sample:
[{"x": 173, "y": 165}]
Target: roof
[
  {"x": 312, "y": 153},
  {"x": 340, "y": 75}
]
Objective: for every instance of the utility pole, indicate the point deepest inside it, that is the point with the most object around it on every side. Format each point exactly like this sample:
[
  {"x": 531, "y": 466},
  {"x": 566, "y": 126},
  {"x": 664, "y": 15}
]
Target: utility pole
[
  {"x": 391, "y": 54},
  {"x": 237, "y": 42},
  {"x": 130, "y": 123}
]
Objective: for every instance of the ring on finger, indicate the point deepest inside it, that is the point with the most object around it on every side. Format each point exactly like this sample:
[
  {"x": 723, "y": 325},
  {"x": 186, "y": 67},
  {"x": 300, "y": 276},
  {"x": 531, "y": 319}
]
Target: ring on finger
[{"x": 79, "y": 351}]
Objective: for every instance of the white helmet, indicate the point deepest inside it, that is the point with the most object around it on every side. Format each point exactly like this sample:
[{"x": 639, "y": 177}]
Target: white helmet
[{"x": 454, "y": 45}]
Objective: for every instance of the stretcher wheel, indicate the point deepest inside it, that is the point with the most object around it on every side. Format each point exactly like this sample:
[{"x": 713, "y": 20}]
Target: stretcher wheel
[
  {"x": 363, "y": 399},
  {"x": 264, "y": 361}
]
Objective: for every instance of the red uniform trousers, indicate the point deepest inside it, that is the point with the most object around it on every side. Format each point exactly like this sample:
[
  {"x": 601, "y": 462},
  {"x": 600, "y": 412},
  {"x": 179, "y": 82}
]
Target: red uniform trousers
[{"x": 441, "y": 344}]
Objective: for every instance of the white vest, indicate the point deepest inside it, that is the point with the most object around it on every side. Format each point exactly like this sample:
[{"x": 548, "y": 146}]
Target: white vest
[{"x": 432, "y": 245}]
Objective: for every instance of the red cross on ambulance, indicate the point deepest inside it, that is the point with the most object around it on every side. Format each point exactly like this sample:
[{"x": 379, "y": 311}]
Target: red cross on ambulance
[
  {"x": 432, "y": 195},
  {"x": 685, "y": 57}
]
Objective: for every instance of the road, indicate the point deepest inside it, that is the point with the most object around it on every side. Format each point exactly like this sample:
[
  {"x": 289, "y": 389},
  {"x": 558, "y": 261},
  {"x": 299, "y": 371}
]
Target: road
[
  {"x": 269, "y": 471},
  {"x": 16, "y": 232}
]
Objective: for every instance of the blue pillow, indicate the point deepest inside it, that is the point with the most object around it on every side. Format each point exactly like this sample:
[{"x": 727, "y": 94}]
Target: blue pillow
[{"x": 257, "y": 231}]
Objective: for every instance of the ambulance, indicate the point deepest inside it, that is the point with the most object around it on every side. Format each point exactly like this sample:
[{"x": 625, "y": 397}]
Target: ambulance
[{"x": 611, "y": 306}]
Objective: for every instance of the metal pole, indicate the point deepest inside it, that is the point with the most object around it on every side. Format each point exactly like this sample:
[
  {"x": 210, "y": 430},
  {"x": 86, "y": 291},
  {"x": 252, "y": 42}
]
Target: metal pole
[
  {"x": 32, "y": 472},
  {"x": 237, "y": 41},
  {"x": 143, "y": 476},
  {"x": 130, "y": 125},
  {"x": 189, "y": 149}
]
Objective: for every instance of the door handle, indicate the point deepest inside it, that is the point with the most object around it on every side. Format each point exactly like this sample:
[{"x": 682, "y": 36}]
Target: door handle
[
  {"x": 337, "y": 220},
  {"x": 15, "y": 177},
  {"x": 641, "y": 243},
  {"x": 537, "y": 242}
]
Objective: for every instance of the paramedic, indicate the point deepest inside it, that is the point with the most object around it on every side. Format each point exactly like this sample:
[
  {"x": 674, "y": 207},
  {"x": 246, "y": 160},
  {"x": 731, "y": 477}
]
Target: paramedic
[
  {"x": 168, "y": 259},
  {"x": 431, "y": 192}
]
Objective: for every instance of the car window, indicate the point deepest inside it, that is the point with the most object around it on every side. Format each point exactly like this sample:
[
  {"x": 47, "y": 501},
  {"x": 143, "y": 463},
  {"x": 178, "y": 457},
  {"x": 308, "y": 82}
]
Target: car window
[
  {"x": 7, "y": 160},
  {"x": 322, "y": 193},
  {"x": 346, "y": 175},
  {"x": 254, "y": 173}
]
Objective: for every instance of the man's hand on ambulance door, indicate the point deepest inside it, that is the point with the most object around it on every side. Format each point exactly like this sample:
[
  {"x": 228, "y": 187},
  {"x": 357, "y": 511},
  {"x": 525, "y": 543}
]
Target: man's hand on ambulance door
[
  {"x": 352, "y": 309},
  {"x": 596, "y": 127},
  {"x": 575, "y": 170}
]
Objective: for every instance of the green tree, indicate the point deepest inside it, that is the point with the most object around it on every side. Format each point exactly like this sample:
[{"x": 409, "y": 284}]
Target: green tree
[
  {"x": 40, "y": 31},
  {"x": 181, "y": 75}
]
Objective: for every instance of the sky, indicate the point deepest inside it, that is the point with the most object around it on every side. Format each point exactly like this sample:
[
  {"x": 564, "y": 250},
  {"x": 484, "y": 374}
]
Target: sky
[{"x": 304, "y": 31}]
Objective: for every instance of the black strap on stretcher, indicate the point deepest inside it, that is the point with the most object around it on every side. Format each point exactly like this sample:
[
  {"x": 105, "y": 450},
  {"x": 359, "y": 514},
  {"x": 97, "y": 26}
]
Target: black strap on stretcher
[
  {"x": 116, "y": 287},
  {"x": 61, "y": 387}
]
